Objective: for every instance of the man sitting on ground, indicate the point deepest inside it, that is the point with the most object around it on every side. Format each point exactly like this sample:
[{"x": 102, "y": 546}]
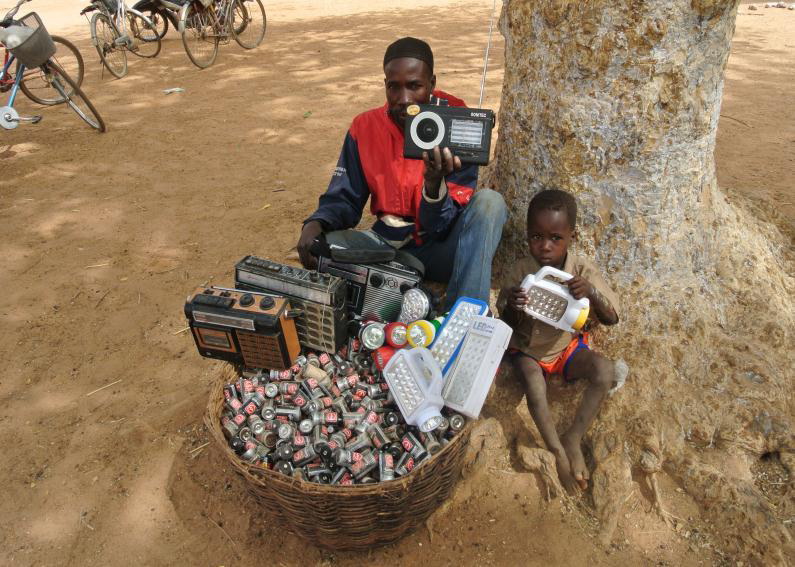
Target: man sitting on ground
[{"x": 427, "y": 208}]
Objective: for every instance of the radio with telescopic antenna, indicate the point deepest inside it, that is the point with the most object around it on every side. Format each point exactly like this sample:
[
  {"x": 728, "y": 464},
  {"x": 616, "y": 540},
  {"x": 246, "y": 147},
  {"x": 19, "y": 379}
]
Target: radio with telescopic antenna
[{"x": 466, "y": 132}]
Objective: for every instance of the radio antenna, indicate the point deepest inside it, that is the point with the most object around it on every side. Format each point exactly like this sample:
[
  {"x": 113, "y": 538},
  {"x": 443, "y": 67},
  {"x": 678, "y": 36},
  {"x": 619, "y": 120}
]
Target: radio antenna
[{"x": 486, "y": 62}]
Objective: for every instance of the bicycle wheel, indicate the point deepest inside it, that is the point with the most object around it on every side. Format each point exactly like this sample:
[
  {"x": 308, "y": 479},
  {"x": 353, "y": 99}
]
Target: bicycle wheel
[
  {"x": 158, "y": 19},
  {"x": 77, "y": 100},
  {"x": 146, "y": 40},
  {"x": 198, "y": 35},
  {"x": 35, "y": 84},
  {"x": 111, "y": 51},
  {"x": 249, "y": 23}
]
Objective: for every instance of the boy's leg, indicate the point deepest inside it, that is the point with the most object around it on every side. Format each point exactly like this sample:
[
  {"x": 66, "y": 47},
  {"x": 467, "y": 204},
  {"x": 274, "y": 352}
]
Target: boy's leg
[
  {"x": 530, "y": 374},
  {"x": 588, "y": 365}
]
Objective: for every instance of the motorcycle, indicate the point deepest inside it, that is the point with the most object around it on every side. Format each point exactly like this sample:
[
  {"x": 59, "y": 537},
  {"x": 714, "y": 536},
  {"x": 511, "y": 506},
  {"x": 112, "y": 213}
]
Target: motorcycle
[{"x": 161, "y": 12}]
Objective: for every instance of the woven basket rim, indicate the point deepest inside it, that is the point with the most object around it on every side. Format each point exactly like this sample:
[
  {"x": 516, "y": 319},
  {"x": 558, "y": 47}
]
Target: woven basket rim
[{"x": 260, "y": 475}]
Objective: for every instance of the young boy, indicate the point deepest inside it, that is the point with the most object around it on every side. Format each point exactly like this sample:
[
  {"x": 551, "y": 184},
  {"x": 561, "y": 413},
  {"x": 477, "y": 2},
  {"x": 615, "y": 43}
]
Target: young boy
[{"x": 538, "y": 350}]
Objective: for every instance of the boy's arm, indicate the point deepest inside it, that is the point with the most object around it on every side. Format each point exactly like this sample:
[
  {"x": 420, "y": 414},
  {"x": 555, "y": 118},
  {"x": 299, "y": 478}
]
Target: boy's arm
[
  {"x": 601, "y": 306},
  {"x": 604, "y": 310}
]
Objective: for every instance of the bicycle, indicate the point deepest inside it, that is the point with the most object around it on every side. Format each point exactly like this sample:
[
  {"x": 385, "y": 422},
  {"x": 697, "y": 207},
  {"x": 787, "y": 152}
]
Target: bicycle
[
  {"x": 34, "y": 83},
  {"x": 203, "y": 24},
  {"x": 32, "y": 47},
  {"x": 117, "y": 29}
]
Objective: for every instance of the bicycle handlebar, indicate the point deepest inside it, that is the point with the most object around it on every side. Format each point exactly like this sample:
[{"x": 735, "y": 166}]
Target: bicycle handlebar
[{"x": 7, "y": 19}]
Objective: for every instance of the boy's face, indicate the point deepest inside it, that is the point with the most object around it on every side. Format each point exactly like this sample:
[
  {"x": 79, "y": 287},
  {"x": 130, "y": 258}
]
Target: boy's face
[{"x": 548, "y": 236}]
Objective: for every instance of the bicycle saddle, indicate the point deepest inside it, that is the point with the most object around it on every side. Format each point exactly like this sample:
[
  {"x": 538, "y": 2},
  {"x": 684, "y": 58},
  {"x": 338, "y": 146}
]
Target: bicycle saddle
[{"x": 173, "y": 4}]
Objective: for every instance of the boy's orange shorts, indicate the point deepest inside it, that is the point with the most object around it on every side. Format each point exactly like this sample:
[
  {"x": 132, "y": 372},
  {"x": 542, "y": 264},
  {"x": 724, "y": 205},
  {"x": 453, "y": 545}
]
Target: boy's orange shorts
[{"x": 560, "y": 364}]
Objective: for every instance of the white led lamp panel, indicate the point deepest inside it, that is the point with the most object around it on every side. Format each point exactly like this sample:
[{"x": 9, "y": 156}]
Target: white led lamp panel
[
  {"x": 448, "y": 339},
  {"x": 415, "y": 381},
  {"x": 467, "y": 384}
]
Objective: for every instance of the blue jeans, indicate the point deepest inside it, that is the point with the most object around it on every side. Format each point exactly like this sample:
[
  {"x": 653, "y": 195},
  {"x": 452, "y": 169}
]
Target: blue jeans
[{"x": 463, "y": 259}]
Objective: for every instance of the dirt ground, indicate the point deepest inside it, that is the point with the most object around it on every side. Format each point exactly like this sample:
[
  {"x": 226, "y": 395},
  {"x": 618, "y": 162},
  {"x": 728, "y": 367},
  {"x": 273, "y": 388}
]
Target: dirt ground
[{"x": 104, "y": 235}]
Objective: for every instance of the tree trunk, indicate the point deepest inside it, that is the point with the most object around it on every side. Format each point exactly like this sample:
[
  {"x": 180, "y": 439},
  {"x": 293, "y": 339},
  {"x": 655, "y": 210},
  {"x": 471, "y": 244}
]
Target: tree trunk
[{"x": 618, "y": 102}]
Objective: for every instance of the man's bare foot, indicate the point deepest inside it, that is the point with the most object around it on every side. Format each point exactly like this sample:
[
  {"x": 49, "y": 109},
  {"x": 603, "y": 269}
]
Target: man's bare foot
[
  {"x": 571, "y": 444},
  {"x": 564, "y": 473}
]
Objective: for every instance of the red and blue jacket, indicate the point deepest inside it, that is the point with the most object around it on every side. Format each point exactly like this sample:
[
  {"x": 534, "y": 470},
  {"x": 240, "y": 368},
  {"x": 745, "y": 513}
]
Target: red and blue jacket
[{"x": 371, "y": 165}]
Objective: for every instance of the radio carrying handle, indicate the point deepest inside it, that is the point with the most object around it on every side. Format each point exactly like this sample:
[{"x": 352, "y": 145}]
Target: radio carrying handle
[{"x": 320, "y": 247}]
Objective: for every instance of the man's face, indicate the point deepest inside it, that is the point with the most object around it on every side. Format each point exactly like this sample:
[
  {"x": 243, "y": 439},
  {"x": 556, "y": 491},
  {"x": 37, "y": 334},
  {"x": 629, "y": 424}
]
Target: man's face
[
  {"x": 407, "y": 81},
  {"x": 548, "y": 236}
]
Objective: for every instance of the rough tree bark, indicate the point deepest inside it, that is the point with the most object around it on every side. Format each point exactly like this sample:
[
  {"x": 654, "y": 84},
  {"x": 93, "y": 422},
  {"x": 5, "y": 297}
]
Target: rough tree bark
[{"x": 618, "y": 102}]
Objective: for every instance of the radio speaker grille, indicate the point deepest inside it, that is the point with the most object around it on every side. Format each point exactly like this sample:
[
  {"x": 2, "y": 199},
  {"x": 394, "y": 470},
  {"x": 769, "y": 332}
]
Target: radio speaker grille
[{"x": 261, "y": 351}]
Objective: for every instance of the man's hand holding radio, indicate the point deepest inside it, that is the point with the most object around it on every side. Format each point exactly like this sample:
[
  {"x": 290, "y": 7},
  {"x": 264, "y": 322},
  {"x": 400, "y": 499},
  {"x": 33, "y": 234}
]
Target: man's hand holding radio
[
  {"x": 309, "y": 233},
  {"x": 438, "y": 163}
]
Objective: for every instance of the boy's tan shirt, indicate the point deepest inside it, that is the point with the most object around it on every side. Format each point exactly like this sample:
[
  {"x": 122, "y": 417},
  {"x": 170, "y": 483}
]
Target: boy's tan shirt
[{"x": 536, "y": 338}]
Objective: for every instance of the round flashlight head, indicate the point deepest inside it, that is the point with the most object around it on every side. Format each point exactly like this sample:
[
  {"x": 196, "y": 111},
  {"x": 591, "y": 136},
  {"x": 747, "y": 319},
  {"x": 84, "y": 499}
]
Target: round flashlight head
[
  {"x": 396, "y": 335},
  {"x": 421, "y": 333},
  {"x": 431, "y": 424},
  {"x": 372, "y": 336},
  {"x": 416, "y": 305}
]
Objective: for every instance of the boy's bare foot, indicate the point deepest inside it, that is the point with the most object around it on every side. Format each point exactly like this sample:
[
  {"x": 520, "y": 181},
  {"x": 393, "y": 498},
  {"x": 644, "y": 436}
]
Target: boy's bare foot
[
  {"x": 564, "y": 473},
  {"x": 579, "y": 471}
]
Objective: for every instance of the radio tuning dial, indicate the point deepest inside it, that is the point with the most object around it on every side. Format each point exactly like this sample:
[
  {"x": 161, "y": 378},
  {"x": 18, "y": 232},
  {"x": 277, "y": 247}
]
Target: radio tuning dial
[
  {"x": 246, "y": 299},
  {"x": 376, "y": 280},
  {"x": 266, "y": 303}
]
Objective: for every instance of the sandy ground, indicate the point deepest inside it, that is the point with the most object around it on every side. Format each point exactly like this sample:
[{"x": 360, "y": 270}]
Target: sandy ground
[{"x": 104, "y": 235}]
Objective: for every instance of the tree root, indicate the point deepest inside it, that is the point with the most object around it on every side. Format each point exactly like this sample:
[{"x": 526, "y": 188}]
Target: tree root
[
  {"x": 651, "y": 462},
  {"x": 542, "y": 462},
  {"x": 658, "y": 507}
]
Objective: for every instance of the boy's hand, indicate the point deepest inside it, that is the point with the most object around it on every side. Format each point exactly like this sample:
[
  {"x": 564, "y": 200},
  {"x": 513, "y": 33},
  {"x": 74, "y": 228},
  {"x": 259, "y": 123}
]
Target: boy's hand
[
  {"x": 579, "y": 287},
  {"x": 517, "y": 298}
]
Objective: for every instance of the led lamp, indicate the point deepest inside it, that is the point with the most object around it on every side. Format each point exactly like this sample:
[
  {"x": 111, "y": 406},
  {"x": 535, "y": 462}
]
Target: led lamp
[
  {"x": 552, "y": 303},
  {"x": 372, "y": 336},
  {"x": 455, "y": 326},
  {"x": 396, "y": 335},
  {"x": 473, "y": 370},
  {"x": 421, "y": 333},
  {"x": 416, "y": 305},
  {"x": 382, "y": 355},
  {"x": 415, "y": 381}
]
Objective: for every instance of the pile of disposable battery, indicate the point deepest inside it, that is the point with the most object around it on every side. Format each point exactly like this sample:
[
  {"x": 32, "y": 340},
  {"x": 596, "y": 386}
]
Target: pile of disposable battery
[{"x": 328, "y": 419}]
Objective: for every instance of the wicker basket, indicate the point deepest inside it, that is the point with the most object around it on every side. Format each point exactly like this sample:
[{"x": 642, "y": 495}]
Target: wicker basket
[
  {"x": 38, "y": 47},
  {"x": 345, "y": 517}
]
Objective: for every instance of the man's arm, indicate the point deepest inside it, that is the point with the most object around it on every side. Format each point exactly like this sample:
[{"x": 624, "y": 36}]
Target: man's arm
[{"x": 341, "y": 205}]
